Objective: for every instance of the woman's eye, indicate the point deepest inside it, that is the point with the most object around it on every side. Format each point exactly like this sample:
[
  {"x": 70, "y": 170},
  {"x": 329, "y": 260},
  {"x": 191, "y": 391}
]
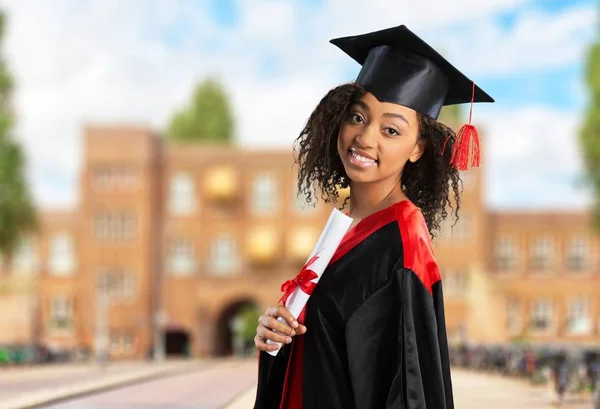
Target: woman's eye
[
  {"x": 356, "y": 118},
  {"x": 392, "y": 131}
]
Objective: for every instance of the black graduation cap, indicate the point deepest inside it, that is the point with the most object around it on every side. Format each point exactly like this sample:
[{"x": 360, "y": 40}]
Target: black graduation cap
[{"x": 399, "y": 67}]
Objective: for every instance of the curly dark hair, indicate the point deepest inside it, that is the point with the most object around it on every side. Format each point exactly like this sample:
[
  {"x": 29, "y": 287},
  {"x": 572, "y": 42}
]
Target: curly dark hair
[{"x": 426, "y": 182}]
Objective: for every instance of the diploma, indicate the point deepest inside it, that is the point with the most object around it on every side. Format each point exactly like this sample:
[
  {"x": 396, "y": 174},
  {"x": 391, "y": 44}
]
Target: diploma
[{"x": 297, "y": 291}]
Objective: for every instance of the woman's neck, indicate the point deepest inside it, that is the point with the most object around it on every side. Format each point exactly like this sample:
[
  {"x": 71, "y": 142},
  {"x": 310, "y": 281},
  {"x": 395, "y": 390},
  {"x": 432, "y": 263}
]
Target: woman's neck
[{"x": 368, "y": 198}]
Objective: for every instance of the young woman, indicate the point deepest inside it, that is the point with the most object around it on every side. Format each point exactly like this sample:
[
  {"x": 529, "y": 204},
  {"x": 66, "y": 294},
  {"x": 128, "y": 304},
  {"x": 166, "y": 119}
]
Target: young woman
[{"x": 373, "y": 332}]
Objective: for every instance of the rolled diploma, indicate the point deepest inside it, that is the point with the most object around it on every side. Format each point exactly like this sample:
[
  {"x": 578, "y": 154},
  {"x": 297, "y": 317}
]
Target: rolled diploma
[{"x": 334, "y": 231}]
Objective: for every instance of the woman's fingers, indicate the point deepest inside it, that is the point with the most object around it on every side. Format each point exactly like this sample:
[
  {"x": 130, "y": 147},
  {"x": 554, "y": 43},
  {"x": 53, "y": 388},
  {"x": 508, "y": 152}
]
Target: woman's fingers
[
  {"x": 277, "y": 330},
  {"x": 272, "y": 323},
  {"x": 287, "y": 315},
  {"x": 281, "y": 311},
  {"x": 266, "y": 333},
  {"x": 261, "y": 345}
]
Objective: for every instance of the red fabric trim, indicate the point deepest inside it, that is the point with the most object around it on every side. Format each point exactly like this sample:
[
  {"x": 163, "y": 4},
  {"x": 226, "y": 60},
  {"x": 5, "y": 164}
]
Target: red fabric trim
[
  {"x": 367, "y": 226},
  {"x": 292, "y": 386},
  {"x": 288, "y": 376},
  {"x": 417, "y": 247}
]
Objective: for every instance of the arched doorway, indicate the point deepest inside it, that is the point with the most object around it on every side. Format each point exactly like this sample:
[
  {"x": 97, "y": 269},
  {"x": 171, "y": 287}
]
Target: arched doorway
[
  {"x": 177, "y": 342},
  {"x": 233, "y": 328}
]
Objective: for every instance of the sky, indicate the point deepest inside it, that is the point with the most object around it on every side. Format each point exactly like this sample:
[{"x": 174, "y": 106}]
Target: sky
[{"x": 110, "y": 61}]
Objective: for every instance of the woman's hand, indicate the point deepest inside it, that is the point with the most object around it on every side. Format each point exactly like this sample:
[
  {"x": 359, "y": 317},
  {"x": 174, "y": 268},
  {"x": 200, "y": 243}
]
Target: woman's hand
[{"x": 270, "y": 328}]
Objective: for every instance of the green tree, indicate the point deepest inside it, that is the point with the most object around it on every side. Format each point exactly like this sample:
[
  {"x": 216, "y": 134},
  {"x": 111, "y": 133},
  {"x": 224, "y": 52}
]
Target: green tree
[
  {"x": 589, "y": 136},
  {"x": 207, "y": 118},
  {"x": 249, "y": 316},
  {"x": 17, "y": 213}
]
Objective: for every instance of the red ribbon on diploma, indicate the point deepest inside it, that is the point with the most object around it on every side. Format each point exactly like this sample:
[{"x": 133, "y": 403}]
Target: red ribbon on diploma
[{"x": 302, "y": 280}]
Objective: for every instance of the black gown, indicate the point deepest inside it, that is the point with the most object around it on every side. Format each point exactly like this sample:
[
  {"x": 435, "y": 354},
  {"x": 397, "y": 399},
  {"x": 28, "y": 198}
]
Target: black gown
[{"x": 376, "y": 332}]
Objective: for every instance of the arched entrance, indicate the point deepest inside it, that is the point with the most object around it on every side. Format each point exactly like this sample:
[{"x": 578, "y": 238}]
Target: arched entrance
[
  {"x": 234, "y": 328},
  {"x": 177, "y": 341}
]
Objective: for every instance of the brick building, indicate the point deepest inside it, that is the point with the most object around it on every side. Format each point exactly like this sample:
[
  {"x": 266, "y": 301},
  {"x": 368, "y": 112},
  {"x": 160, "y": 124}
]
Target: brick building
[{"x": 179, "y": 238}]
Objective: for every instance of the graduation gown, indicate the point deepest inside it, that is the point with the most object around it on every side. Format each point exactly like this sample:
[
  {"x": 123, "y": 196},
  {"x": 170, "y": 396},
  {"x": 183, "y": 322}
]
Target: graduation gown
[{"x": 376, "y": 332}]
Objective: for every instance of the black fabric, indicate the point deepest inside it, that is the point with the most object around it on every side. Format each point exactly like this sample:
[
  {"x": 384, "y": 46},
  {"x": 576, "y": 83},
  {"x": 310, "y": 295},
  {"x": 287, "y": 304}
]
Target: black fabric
[
  {"x": 376, "y": 336},
  {"x": 341, "y": 291},
  {"x": 271, "y": 376},
  {"x": 417, "y": 82},
  {"x": 399, "y": 67}
]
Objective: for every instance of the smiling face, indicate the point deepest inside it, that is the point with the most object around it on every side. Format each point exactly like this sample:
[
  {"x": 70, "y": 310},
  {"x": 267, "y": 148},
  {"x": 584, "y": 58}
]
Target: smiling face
[{"x": 377, "y": 139}]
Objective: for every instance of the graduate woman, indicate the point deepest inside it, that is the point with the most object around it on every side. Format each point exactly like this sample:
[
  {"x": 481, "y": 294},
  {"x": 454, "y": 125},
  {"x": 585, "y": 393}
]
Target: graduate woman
[{"x": 373, "y": 333}]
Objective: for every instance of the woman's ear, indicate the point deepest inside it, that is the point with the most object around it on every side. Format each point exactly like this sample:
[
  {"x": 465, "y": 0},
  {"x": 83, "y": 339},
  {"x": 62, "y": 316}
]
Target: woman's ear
[{"x": 418, "y": 151}]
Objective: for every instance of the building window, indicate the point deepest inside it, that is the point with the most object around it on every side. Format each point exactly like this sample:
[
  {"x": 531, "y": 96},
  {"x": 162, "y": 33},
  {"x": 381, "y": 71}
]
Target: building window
[
  {"x": 102, "y": 177},
  {"x": 101, "y": 226},
  {"x": 115, "y": 225},
  {"x": 182, "y": 194},
  {"x": 121, "y": 342},
  {"x": 181, "y": 257},
  {"x": 577, "y": 254},
  {"x": 115, "y": 342},
  {"x": 117, "y": 284},
  {"x": 114, "y": 177},
  {"x": 506, "y": 254},
  {"x": 513, "y": 314},
  {"x": 264, "y": 194},
  {"x": 62, "y": 255},
  {"x": 223, "y": 258},
  {"x": 456, "y": 284},
  {"x": 541, "y": 255},
  {"x": 578, "y": 317},
  {"x": 542, "y": 316},
  {"x": 61, "y": 313},
  {"x": 25, "y": 259}
]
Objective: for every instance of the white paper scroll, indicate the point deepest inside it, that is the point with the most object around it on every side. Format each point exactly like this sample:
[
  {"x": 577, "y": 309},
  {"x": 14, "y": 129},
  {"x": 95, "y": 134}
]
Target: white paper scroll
[{"x": 334, "y": 231}]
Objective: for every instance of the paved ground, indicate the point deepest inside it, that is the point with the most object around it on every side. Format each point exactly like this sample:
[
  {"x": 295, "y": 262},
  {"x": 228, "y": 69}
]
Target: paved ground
[
  {"x": 211, "y": 387},
  {"x": 230, "y": 384},
  {"x": 16, "y": 382},
  {"x": 477, "y": 391},
  {"x": 31, "y": 387}
]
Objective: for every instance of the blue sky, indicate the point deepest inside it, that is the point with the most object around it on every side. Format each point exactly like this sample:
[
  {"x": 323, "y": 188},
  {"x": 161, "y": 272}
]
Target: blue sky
[
  {"x": 107, "y": 61},
  {"x": 552, "y": 86}
]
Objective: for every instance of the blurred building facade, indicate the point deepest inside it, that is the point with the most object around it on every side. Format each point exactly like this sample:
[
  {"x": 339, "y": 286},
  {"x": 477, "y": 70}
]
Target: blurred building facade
[{"x": 169, "y": 242}]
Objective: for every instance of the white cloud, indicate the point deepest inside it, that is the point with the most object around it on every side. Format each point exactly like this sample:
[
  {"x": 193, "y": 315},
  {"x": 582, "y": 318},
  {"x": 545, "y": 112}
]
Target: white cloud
[
  {"x": 349, "y": 17},
  {"x": 75, "y": 64},
  {"x": 532, "y": 158},
  {"x": 275, "y": 116},
  {"x": 267, "y": 19},
  {"x": 537, "y": 41},
  {"x": 136, "y": 61}
]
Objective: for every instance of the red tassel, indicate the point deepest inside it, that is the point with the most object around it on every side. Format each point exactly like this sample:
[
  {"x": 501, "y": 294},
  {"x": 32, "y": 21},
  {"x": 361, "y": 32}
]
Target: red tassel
[{"x": 467, "y": 146}]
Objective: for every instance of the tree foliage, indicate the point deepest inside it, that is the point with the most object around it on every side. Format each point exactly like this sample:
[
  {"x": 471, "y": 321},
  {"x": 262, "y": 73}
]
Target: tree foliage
[
  {"x": 17, "y": 214},
  {"x": 207, "y": 118},
  {"x": 589, "y": 136}
]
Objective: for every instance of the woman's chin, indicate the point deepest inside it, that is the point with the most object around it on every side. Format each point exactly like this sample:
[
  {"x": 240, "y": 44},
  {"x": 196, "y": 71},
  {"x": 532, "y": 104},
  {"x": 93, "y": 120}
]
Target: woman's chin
[{"x": 360, "y": 176}]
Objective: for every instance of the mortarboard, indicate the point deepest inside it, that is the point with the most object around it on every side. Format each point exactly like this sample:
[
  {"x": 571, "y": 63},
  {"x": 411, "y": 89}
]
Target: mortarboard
[{"x": 401, "y": 68}]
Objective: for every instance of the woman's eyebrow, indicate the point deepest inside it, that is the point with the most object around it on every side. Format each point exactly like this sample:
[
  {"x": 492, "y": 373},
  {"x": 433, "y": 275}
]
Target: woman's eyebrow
[
  {"x": 362, "y": 105},
  {"x": 400, "y": 116}
]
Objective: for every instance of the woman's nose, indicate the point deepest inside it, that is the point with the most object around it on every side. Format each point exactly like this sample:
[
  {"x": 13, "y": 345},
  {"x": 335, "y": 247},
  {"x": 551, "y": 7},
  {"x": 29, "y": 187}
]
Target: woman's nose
[{"x": 367, "y": 138}]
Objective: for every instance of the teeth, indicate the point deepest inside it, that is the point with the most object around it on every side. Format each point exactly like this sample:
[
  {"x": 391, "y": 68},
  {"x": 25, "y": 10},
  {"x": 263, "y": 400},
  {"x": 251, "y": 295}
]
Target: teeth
[{"x": 362, "y": 158}]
